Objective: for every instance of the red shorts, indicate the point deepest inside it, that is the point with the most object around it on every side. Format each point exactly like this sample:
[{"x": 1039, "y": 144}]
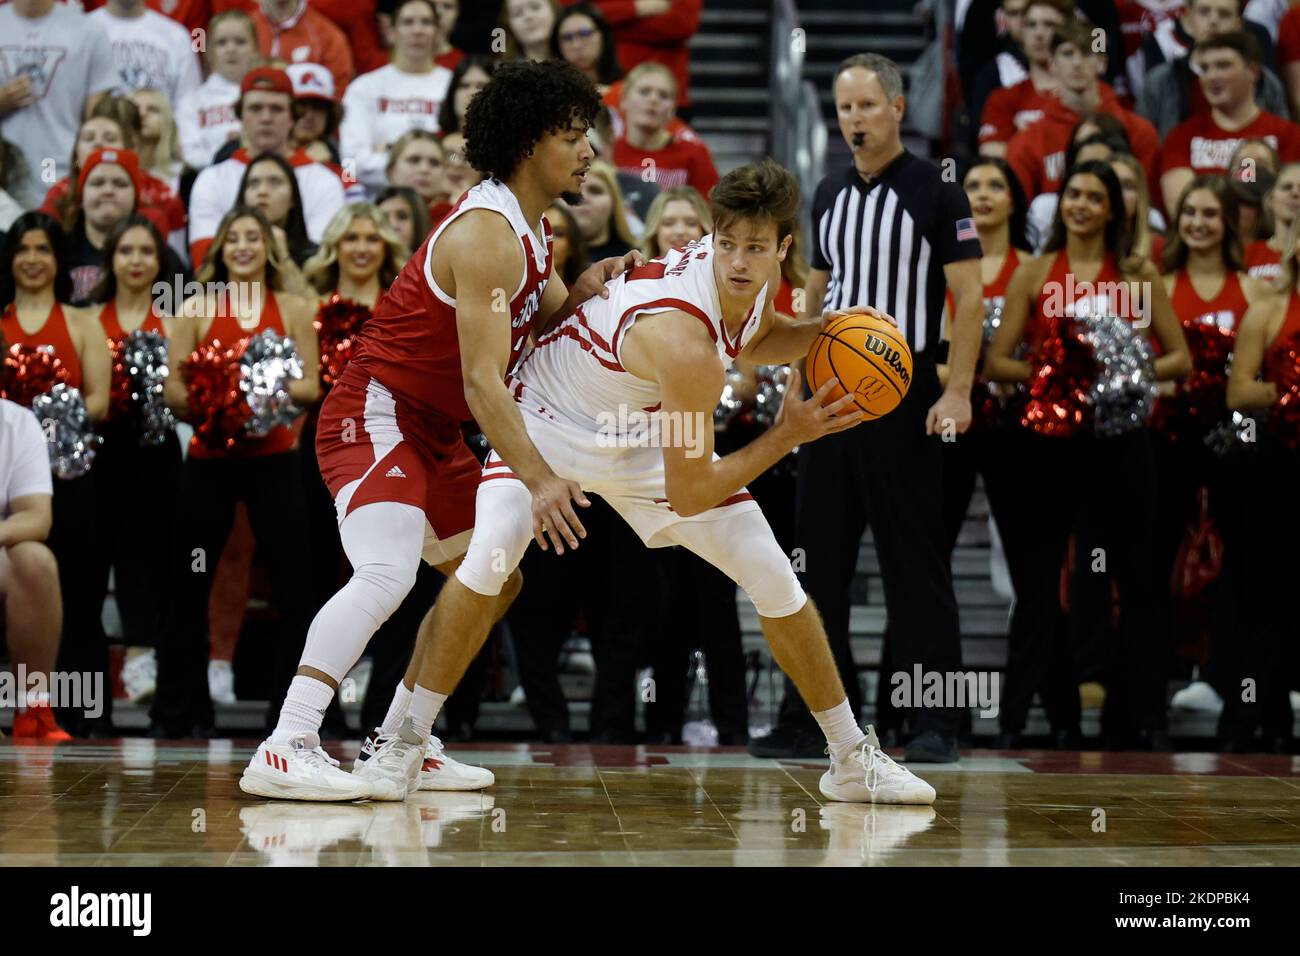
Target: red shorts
[{"x": 373, "y": 446}]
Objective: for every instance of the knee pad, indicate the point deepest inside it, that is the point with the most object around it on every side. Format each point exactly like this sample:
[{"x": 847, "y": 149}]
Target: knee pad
[
  {"x": 503, "y": 527},
  {"x": 769, "y": 581}
]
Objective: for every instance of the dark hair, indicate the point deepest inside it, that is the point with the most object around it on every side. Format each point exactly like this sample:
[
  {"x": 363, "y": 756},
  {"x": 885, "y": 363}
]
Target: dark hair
[
  {"x": 13, "y": 167},
  {"x": 608, "y": 69},
  {"x": 423, "y": 225},
  {"x": 763, "y": 190},
  {"x": 106, "y": 289},
  {"x": 1246, "y": 46},
  {"x": 1118, "y": 237},
  {"x": 34, "y": 221},
  {"x": 1174, "y": 255},
  {"x": 295, "y": 225},
  {"x": 1018, "y": 222},
  {"x": 1064, "y": 7},
  {"x": 523, "y": 102},
  {"x": 447, "y": 121}
]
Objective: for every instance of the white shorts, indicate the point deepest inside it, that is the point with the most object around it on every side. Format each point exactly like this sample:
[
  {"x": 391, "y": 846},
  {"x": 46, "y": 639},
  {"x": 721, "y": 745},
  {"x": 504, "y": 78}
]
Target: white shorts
[{"x": 733, "y": 535}]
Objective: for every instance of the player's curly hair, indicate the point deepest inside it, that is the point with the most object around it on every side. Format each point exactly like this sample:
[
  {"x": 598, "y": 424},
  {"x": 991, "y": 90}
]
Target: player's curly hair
[{"x": 523, "y": 102}]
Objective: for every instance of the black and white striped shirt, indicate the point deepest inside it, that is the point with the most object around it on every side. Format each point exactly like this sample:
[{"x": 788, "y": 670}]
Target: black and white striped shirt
[{"x": 885, "y": 243}]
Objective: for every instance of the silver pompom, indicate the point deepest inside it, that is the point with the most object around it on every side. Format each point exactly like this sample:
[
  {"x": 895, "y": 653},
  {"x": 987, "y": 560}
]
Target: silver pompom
[
  {"x": 1123, "y": 393},
  {"x": 66, "y": 424},
  {"x": 771, "y": 392},
  {"x": 732, "y": 401},
  {"x": 144, "y": 354},
  {"x": 266, "y": 367},
  {"x": 992, "y": 316}
]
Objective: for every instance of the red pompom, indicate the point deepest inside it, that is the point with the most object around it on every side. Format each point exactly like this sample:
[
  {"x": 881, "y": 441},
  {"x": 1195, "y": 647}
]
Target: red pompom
[
  {"x": 1284, "y": 371},
  {"x": 337, "y": 322},
  {"x": 120, "y": 385},
  {"x": 1200, "y": 401},
  {"x": 30, "y": 371},
  {"x": 1058, "y": 390},
  {"x": 217, "y": 408}
]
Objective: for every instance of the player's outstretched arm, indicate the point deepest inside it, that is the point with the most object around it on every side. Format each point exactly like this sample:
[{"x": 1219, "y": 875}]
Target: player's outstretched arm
[
  {"x": 690, "y": 380},
  {"x": 486, "y": 263},
  {"x": 558, "y": 301}
]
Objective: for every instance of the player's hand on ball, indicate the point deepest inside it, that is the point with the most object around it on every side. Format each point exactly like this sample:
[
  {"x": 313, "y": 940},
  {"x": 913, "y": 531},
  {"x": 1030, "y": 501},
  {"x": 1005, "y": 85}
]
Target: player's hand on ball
[
  {"x": 553, "y": 514},
  {"x": 807, "y": 421},
  {"x": 837, "y": 314},
  {"x": 593, "y": 279}
]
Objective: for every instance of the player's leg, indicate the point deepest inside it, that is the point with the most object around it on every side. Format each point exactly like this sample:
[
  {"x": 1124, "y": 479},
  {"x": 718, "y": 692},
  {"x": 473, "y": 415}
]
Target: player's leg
[
  {"x": 33, "y": 609},
  {"x": 383, "y": 541},
  {"x": 741, "y": 544}
]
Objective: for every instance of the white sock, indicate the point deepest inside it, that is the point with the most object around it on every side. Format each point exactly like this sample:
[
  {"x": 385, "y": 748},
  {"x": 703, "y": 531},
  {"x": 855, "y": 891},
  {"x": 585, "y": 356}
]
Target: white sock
[
  {"x": 303, "y": 709},
  {"x": 425, "y": 705},
  {"x": 397, "y": 710},
  {"x": 840, "y": 725}
]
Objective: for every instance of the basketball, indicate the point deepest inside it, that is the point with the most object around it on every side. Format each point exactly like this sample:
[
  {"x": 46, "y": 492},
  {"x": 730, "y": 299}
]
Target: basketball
[{"x": 869, "y": 357}]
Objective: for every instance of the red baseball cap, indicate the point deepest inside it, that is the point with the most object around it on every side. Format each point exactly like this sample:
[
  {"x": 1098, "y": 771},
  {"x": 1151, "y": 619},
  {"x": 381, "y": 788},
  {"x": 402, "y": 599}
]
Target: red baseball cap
[
  {"x": 121, "y": 157},
  {"x": 311, "y": 81},
  {"x": 268, "y": 79}
]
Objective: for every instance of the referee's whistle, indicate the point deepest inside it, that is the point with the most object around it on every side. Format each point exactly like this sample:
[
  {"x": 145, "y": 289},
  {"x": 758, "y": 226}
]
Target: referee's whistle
[{"x": 859, "y": 139}]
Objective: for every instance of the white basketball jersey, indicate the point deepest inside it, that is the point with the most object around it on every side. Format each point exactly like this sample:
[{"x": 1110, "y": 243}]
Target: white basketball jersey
[{"x": 574, "y": 374}]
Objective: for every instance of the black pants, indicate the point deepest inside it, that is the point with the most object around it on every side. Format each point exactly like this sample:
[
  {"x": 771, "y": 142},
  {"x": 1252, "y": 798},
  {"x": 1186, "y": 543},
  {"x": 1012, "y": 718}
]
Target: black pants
[
  {"x": 889, "y": 474},
  {"x": 325, "y": 547},
  {"x": 697, "y": 610},
  {"x": 1259, "y": 661},
  {"x": 135, "y": 483},
  {"x": 610, "y": 580},
  {"x": 83, "y": 648},
  {"x": 271, "y": 488},
  {"x": 1110, "y": 482}
]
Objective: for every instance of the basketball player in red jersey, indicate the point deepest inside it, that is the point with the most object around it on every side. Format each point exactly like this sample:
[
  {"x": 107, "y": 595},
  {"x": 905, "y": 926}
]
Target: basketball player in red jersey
[
  {"x": 434, "y": 355},
  {"x": 661, "y": 342}
]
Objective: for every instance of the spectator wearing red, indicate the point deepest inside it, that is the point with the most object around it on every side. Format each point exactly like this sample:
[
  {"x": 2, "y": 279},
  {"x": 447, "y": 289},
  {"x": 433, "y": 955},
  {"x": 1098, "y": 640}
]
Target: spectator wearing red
[
  {"x": 647, "y": 147},
  {"x": 1263, "y": 258},
  {"x": 1010, "y": 109},
  {"x": 265, "y": 110},
  {"x": 1037, "y": 153},
  {"x": 448, "y": 14},
  {"x": 1288, "y": 56},
  {"x": 115, "y": 123},
  {"x": 1204, "y": 144},
  {"x": 583, "y": 39},
  {"x": 528, "y": 25},
  {"x": 359, "y": 21},
  {"x": 655, "y": 31},
  {"x": 292, "y": 31},
  {"x": 191, "y": 14}
]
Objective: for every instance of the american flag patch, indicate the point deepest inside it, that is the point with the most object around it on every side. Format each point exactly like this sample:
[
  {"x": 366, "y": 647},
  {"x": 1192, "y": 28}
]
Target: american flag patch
[{"x": 966, "y": 230}]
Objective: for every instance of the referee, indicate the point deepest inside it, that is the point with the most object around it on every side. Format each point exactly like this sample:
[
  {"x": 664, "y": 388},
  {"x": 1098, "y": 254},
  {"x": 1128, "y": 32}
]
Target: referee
[{"x": 890, "y": 233}]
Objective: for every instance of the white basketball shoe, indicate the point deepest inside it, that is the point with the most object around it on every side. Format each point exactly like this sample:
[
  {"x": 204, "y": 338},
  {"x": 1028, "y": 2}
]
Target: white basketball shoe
[
  {"x": 390, "y": 763},
  {"x": 869, "y": 775},
  {"x": 439, "y": 771},
  {"x": 300, "y": 770}
]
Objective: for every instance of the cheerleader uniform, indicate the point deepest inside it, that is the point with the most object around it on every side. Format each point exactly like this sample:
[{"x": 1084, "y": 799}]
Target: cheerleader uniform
[
  {"x": 1105, "y": 485},
  {"x": 1185, "y": 464},
  {"x": 1261, "y": 262},
  {"x": 265, "y": 474},
  {"x": 1266, "y": 633},
  {"x": 84, "y": 647},
  {"x": 136, "y": 487}
]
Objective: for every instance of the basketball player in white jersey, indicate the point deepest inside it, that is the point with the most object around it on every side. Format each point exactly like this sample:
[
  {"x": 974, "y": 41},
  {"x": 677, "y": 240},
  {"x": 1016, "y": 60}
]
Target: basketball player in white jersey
[{"x": 589, "y": 390}]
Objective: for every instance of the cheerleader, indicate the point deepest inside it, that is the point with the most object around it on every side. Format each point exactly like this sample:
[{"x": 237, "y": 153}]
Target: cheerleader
[
  {"x": 134, "y": 481},
  {"x": 244, "y": 280},
  {"x": 34, "y": 293},
  {"x": 1201, "y": 267},
  {"x": 1090, "y": 244},
  {"x": 1265, "y": 367}
]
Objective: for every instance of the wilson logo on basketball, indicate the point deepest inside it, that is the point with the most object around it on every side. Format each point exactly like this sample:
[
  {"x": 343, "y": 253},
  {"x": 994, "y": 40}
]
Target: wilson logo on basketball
[
  {"x": 892, "y": 357},
  {"x": 865, "y": 354}
]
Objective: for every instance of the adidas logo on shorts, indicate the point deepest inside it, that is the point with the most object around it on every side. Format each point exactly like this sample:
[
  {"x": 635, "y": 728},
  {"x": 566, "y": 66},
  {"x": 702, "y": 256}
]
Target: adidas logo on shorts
[{"x": 395, "y": 472}]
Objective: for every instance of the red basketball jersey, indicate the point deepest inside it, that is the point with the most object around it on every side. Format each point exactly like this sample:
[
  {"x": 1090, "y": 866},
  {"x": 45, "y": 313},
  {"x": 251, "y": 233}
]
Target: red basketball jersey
[{"x": 410, "y": 346}]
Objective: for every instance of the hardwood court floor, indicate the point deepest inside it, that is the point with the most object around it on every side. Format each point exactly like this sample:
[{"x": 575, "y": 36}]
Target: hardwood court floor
[{"x": 140, "y": 802}]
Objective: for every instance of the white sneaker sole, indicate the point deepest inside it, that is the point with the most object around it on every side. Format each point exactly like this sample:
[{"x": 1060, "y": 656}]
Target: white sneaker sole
[
  {"x": 438, "y": 783},
  {"x": 382, "y": 788},
  {"x": 922, "y": 796},
  {"x": 257, "y": 785}
]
